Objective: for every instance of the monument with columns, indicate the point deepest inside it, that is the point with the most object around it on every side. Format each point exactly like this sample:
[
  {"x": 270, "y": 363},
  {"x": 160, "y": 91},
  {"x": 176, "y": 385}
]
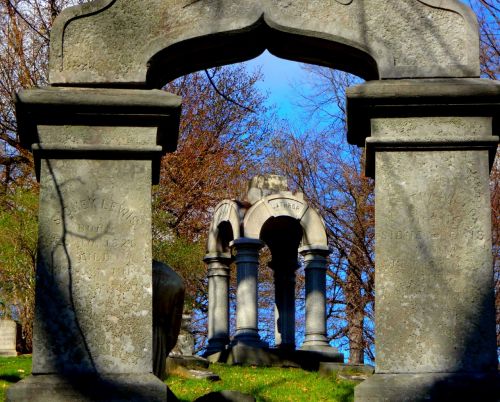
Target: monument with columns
[{"x": 272, "y": 216}]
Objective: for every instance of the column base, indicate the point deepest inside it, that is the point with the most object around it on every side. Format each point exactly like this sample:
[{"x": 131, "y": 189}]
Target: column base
[
  {"x": 439, "y": 387},
  {"x": 317, "y": 343},
  {"x": 251, "y": 339},
  {"x": 216, "y": 345},
  {"x": 80, "y": 388}
]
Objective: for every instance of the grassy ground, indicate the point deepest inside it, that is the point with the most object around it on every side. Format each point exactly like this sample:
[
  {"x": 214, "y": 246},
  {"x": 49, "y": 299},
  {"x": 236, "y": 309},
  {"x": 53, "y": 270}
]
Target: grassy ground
[
  {"x": 266, "y": 384},
  {"x": 12, "y": 370}
]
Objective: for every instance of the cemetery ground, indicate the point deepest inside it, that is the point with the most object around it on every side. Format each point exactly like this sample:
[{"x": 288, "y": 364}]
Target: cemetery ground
[{"x": 271, "y": 384}]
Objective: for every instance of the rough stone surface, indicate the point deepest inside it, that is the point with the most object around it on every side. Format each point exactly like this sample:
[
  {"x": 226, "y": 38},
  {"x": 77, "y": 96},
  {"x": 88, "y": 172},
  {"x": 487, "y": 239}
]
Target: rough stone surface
[
  {"x": 115, "y": 41},
  {"x": 94, "y": 282},
  {"x": 434, "y": 304},
  {"x": 8, "y": 333},
  {"x": 226, "y": 396}
]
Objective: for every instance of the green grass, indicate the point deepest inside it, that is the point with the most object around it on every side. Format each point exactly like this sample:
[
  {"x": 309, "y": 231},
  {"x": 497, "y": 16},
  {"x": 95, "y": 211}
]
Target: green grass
[
  {"x": 266, "y": 385},
  {"x": 12, "y": 370}
]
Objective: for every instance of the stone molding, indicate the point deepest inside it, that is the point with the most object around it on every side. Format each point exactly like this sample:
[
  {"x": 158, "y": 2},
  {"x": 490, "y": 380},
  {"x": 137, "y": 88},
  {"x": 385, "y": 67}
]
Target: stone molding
[{"x": 104, "y": 110}]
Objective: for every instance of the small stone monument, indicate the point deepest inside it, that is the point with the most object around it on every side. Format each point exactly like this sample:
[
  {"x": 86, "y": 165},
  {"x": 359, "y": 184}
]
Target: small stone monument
[
  {"x": 8, "y": 332},
  {"x": 274, "y": 216}
]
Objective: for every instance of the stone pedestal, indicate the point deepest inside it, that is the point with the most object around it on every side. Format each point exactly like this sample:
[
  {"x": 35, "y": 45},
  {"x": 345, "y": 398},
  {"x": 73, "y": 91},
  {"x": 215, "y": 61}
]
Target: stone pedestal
[
  {"x": 315, "y": 270},
  {"x": 218, "y": 302},
  {"x": 284, "y": 311},
  {"x": 8, "y": 333},
  {"x": 435, "y": 315},
  {"x": 97, "y": 152},
  {"x": 247, "y": 265}
]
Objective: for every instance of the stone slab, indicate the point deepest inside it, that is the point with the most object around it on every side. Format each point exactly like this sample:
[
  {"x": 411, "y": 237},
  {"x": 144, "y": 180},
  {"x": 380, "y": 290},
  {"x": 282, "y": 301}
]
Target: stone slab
[
  {"x": 435, "y": 387},
  {"x": 248, "y": 356},
  {"x": 105, "y": 388},
  {"x": 8, "y": 338}
]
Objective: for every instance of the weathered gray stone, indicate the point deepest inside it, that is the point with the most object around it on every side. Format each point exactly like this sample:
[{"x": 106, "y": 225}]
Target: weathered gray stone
[
  {"x": 8, "y": 333},
  {"x": 168, "y": 303},
  {"x": 94, "y": 285},
  {"x": 464, "y": 97},
  {"x": 435, "y": 316},
  {"x": 124, "y": 42}
]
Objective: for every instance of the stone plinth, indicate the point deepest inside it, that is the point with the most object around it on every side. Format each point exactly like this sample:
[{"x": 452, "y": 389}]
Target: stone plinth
[
  {"x": 8, "y": 333},
  {"x": 96, "y": 152}
]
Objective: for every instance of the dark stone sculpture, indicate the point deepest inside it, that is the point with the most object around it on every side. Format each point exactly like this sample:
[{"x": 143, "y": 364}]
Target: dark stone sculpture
[{"x": 168, "y": 302}]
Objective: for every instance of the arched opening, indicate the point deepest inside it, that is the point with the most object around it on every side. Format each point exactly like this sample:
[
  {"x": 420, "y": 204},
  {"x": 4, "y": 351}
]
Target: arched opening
[{"x": 237, "y": 46}]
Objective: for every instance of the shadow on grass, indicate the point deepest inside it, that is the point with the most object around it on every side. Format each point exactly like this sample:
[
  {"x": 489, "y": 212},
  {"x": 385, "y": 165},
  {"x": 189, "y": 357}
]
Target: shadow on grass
[{"x": 13, "y": 378}]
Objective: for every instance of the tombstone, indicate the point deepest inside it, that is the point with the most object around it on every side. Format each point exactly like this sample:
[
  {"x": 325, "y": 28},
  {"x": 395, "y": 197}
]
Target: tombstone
[
  {"x": 426, "y": 118},
  {"x": 185, "y": 340},
  {"x": 8, "y": 338}
]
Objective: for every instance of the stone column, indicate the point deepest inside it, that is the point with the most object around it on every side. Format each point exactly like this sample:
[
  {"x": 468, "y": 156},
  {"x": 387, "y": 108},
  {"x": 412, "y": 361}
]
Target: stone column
[
  {"x": 284, "y": 311},
  {"x": 315, "y": 270},
  {"x": 97, "y": 152},
  {"x": 247, "y": 265},
  {"x": 218, "y": 302},
  {"x": 430, "y": 151}
]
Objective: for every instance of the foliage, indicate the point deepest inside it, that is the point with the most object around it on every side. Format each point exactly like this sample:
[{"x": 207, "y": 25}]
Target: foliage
[
  {"x": 18, "y": 245},
  {"x": 266, "y": 384},
  {"x": 12, "y": 370}
]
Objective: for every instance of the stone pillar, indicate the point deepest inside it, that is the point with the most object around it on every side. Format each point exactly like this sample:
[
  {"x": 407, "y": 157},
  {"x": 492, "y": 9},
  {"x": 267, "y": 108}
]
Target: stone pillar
[
  {"x": 315, "y": 270},
  {"x": 284, "y": 311},
  {"x": 97, "y": 152},
  {"x": 247, "y": 265},
  {"x": 435, "y": 315},
  {"x": 218, "y": 302}
]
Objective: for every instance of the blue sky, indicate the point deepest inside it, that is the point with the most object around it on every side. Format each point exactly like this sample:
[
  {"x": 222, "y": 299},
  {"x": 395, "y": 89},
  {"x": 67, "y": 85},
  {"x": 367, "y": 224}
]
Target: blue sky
[{"x": 279, "y": 77}]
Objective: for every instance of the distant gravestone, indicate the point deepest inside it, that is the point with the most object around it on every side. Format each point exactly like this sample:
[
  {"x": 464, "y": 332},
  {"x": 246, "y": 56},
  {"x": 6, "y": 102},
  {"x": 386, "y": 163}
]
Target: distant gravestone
[{"x": 8, "y": 338}]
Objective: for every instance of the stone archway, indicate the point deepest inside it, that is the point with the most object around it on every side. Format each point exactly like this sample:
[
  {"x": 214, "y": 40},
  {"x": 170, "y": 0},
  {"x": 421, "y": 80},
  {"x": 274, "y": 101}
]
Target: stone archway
[{"x": 98, "y": 134}]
